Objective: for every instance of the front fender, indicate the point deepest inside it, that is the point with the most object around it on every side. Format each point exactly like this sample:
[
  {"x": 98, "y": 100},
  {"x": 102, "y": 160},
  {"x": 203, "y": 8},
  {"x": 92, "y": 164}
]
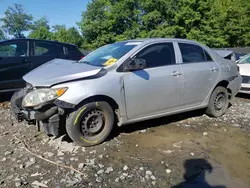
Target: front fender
[{"x": 83, "y": 89}]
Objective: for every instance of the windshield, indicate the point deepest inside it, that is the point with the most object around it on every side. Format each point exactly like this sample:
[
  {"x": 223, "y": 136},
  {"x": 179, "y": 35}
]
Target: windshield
[
  {"x": 245, "y": 60},
  {"x": 109, "y": 54}
]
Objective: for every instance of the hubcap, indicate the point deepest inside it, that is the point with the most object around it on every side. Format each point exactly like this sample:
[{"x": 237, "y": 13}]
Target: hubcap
[
  {"x": 219, "y": 102},
  {"x": 92, "y": 122}
]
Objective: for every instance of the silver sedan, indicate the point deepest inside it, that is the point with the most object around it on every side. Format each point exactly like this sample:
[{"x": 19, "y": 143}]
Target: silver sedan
[{"x": 126, "y": 82}]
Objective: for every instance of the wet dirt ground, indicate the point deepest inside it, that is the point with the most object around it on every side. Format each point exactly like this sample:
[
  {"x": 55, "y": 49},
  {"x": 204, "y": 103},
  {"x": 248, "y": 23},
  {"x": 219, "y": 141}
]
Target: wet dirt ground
[{"x": 165, "y": 152}]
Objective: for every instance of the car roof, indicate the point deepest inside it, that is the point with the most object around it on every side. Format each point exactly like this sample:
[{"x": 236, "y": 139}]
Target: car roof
[
  {"x": 29, "y": 39},
  {"x": 149, "y": 40}
]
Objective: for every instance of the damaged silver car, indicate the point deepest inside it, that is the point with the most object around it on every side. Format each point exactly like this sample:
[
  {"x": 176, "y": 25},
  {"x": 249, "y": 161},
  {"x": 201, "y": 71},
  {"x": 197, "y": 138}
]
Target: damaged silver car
[{"x": 123, "y": 83}]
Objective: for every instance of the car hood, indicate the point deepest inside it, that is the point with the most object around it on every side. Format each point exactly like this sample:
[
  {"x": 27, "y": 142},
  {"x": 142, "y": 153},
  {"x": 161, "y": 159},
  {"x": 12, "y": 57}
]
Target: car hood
[{"x": 58, "y": 71}]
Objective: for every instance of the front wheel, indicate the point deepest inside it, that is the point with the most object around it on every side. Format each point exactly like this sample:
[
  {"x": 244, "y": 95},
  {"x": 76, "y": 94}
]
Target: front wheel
[
  {"x": 218, "y": 103},
  {"x": 91, "y": 124}
]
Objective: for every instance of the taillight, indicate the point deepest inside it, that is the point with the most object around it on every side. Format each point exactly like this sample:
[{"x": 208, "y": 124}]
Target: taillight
[{"x": 82, "y": 57}]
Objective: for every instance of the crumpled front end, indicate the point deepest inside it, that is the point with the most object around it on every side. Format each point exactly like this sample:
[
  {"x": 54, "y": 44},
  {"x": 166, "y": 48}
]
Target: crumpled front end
[{"x": 48, "y": 117}]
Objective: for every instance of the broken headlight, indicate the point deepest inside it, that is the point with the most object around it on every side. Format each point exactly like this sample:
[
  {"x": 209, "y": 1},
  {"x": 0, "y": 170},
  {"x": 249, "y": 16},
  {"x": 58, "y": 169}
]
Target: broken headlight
[{"x": 39, "y": 96}]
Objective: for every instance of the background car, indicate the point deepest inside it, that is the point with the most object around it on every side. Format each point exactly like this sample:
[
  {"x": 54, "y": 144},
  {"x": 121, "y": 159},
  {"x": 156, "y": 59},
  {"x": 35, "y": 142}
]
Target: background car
[
  {"x": 244, "y": 65},
  {"x": 20, "y": 56}
]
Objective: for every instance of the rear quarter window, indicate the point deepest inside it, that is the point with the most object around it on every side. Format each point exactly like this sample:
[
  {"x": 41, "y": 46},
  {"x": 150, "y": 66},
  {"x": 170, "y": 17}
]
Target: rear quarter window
[
  {"x": 47, "y": 49},
  {"x": 74, "y": 51},
  {"x": 192, "y": 53}
]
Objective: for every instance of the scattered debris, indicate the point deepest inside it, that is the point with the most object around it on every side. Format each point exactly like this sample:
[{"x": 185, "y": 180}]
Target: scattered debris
[
  {"x": 39, "y": 184},
  {"x": 60, "y": 153},
  {"x": 100, "y": 171},
  {"x": 168, "y": 171},
  {"x": 177, "y": 144},
  {"x": 148, "y": 172},
  {"x": 109, "y": 169},
  {"x": 153, "y": 177},
  {"x": 8, "y": 153},
  {"x": 81, "y": 165},
  {"x": 165, "y": 151},
  {"x": 205, "y": 134},
  {"x": 143, "y": 131},
  {"x": 125, "y": 168}
]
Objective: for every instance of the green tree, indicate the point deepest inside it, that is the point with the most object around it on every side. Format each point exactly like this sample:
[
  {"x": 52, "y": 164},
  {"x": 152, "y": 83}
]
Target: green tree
[
  {"x": 2, "y": 36},
  {"x": 56, "y": 28},
  {"x": 42, "y": 22},
  {"x": 215, "y": 23},
  {"x": 106, "y": 21},
  {"x": 16, "y": 21},
  {"x": 41, "y": 30},
  {"x": 41, "y": 33},
  {"x": 71, "y": 35}
]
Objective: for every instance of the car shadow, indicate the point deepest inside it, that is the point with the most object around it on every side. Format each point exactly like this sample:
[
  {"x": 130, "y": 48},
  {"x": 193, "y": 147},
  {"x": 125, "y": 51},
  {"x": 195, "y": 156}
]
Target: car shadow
[
  {"x": 130, "y": 128},
  {"x": 195, "y": 174},
  {"x": 243, "y": 95}
]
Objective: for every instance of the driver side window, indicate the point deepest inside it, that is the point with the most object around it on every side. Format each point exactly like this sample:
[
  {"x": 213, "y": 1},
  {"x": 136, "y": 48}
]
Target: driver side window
[{"x": 158, "y": 55}]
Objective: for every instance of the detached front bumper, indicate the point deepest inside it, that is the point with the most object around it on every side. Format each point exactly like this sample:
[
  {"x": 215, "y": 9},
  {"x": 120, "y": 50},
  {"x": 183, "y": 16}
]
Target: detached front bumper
[{"x": 49, "y": 118}]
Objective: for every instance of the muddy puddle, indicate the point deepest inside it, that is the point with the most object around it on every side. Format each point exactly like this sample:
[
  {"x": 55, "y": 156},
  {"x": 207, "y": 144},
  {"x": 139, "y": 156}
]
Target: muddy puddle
[{"x": 225, "y": 147}]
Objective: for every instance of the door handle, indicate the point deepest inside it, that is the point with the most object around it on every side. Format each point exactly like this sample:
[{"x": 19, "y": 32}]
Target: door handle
[
  {"x": 214, "y": 69},
  {"x": 176, "y": 73}
]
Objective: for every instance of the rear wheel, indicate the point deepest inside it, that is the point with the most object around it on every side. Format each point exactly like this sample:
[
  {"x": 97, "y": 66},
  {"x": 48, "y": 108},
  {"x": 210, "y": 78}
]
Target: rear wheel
[
  {"x": 91, "y": 124},
  {"x": 218, "y": 103}
]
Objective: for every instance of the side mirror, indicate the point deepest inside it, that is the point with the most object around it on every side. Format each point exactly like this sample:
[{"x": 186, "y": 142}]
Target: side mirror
[{"x": 135, "y": 64}]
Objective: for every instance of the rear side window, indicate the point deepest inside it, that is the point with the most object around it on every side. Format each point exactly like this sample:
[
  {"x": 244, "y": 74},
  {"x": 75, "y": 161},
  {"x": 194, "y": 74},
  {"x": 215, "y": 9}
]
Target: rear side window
[
  {"x": 47, "y": 49},
  {"x": 157, "y": 55},
  {"x": 192, "y": 53}
]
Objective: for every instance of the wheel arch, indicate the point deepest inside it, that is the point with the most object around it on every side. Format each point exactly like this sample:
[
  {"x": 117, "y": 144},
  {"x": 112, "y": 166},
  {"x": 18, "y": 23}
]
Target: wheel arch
[
  {"x": 225, "y": 83},
  {"x": 114, "y": 105}
]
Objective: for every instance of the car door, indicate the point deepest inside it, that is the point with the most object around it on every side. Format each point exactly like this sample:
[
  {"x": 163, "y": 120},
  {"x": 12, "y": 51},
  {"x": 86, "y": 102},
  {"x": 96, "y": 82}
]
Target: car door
[
  {"x": 200, "y": 73},
  {"x": 157, "y": 88},
  {"x": 14, "y": 64},
  {"x": 44, "y": 51}
]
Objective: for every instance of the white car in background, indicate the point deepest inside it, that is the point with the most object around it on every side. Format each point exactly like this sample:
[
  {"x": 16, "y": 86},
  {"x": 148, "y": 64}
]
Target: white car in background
[{"x": 244, "y": 65}]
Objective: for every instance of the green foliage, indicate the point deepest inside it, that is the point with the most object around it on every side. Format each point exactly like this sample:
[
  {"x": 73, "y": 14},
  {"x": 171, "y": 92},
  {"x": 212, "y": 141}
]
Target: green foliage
[
  {"x": 42, "y": 33},
  {"x": 215, "y": 23},
  {"x": 16, "y": 21},
  {"x": 56, "y": 28},
  {"x": 40, "y": 30},
  {"x": 2, "y": 36},
  {"x": 42, "y": 22},
  {"x": 71, "y": 35}
]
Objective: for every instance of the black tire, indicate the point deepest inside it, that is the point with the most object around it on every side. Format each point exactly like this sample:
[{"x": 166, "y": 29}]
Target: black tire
[
  {"x": 85, "y": 132},
  {"x": 218, "y": 103}
]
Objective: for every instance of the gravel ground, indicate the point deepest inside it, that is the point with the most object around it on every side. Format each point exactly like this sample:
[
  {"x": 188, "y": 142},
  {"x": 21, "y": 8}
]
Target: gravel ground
[{"x": 158, "y": 153}]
